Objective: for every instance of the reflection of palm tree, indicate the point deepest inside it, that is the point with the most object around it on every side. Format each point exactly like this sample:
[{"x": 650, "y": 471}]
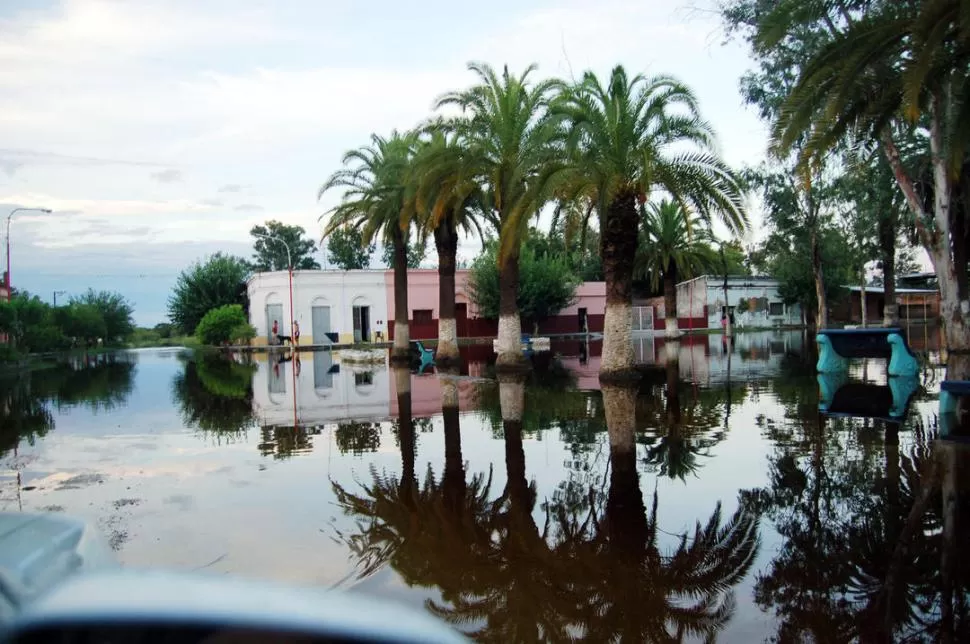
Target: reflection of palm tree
[
  {"x": 639, "y": 593},
  {"x": 685, "y": 436}
]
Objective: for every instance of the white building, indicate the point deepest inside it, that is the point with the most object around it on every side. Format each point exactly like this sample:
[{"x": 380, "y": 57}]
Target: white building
[
  {"x": 753, "y": 300},
  {"x": 349, "y": 305}
]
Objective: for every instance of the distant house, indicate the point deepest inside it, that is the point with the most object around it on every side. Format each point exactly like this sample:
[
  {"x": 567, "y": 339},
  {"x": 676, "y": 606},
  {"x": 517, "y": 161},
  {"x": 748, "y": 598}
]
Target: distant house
[
  {"x": 752, "y": 300},
  {"x": 358, "y": 306},
  {"x": 917, "y": 295}
]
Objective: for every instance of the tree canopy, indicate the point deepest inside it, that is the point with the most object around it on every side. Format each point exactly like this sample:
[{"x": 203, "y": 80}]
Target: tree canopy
[
  {"x": 270, "y": 254},
  {"x": 346, "y": 249},
  {"x": 208, "y": 284}
]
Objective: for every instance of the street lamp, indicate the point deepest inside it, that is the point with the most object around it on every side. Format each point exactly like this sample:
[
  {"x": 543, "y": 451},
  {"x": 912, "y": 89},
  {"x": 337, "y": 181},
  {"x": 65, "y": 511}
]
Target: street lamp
[
  {"x": 9, "y": 217},
  {"x": 289, "y": 261}
]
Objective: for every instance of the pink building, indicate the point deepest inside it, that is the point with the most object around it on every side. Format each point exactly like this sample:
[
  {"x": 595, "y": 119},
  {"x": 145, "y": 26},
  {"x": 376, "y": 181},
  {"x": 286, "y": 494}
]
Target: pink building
[{"x": 585, "y": 314}]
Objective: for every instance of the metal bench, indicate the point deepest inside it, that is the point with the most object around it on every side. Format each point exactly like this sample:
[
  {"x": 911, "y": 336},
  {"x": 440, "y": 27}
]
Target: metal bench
[
  {"x": 836, "y": 346},
  {"x": 425, "y": 354}
]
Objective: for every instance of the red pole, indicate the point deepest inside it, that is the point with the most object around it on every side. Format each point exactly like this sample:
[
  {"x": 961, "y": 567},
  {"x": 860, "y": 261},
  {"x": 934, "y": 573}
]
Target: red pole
[
  {"x": 292, "y": 318},
  {"x": 8, "y": 260}
]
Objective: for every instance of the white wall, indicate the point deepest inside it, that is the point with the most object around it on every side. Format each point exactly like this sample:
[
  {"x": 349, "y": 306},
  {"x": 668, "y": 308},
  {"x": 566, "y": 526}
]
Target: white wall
[
  {"x": 340, "y": 290},
  {"x": 744, "y": 288}
]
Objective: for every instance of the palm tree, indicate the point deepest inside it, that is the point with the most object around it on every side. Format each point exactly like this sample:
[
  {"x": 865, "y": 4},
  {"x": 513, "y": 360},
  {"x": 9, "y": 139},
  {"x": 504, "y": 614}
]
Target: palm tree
[
  {"x": 509, "y": 142},
  {"x": 448, "y": 200},
  {"x": 899, "y": 68},
  {"x": 627, "y": 140},
  {"x": 673, "y": 245},
  {"x": 377, "y": 191}
]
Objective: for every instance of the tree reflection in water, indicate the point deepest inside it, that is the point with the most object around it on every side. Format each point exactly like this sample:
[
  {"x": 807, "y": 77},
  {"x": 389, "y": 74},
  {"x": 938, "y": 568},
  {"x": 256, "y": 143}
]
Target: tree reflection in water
[
  {"x": 869, "y": 529},
  {"x": 589, "y": 570},
  {"x": 215, "y": 394},
  {"x": 100, "y": 382}
]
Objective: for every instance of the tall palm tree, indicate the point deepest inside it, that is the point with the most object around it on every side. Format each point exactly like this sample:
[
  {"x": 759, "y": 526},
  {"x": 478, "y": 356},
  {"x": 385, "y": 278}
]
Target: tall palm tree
[
  {"x": 673, "y": 245},
  {"x": 448, "y": 200},
  {"x": 377, "y": 191},
  {"x": 627, "y": 139},
  {"x": 509, "y": 142}
]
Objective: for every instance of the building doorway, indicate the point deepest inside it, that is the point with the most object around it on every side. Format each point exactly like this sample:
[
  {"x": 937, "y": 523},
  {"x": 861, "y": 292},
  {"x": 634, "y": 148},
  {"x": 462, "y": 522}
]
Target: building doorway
[
  {"x": 583, "y": 322},
  {"x": 320, "y": 324},
  {"x": 361, "y": 324},
  {"x": 274, "y": 313}
]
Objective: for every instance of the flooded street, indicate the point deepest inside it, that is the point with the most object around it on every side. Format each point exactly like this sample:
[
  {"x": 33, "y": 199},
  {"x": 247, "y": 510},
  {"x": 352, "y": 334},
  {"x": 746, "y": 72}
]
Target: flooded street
[{"x": 714, "y": 500}]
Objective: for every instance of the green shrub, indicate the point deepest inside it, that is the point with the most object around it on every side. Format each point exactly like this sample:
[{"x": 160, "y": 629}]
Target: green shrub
[
  {"x": 242, "y": 334},
  {"x": 217, "y": 326}
]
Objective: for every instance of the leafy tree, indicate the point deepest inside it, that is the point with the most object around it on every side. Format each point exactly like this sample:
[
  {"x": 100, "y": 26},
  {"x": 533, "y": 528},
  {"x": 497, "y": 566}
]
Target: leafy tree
[
  {"x": 215, "y": 394},
  {"x": 346, "y": 249},
  {"x": 30, "y": 324},
  {"x": 271, "y": 255},
  {"x": 509, "y": 142},
  {"x": 164, "y": 330},
  {"x": 546, "y": 283},
  {"x": 892, "y": 75},
  {"x": 83, "y": 322},
  {"x": 115, "y": 310},
  {"x": 216, "y": 281},
  {"x": 218, "y": 325},
  {"x": 417, "y": 250},
  {"x": 377, "y": 191},
  {"x": 673, "y": 245},
  {"x": 629, "y": 138}
]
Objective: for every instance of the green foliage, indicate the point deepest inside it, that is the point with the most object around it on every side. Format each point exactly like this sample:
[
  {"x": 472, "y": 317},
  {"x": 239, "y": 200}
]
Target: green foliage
[
  {"x": 115, "y": 310},
  {"x": 346, "y": 249},
  {"x": 417, "y": 251},
  {"x": 218, "y": 325},
  {"x": 673, "y": 240},
  {"x": 217, "y": 281},
  {"x": 35, "y": 326},
  {"x": 547, "y": 283},
  {"x": 242, "y": 334},
  {"x": 271, "y": 255},
  {"x": 214, "y": 394}
]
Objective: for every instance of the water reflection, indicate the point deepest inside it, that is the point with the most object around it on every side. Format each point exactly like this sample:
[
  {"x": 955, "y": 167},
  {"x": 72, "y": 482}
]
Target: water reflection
[
  {"x": 214, "y": 394},
  {"x": 99, "y": 383},
  {"x": 716, "y": 499}
]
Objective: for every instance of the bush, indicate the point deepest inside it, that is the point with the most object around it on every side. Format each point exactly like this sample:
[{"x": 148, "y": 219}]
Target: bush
[
  {"x": 242, "y": 334},
  {"x": 217, "y": 326},
  {"x": 217, "y": 281}
]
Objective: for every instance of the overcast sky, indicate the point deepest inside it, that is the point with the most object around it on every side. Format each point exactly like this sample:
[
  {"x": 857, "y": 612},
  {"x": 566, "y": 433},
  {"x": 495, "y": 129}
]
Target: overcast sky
[{"x": 161, "y": 130}]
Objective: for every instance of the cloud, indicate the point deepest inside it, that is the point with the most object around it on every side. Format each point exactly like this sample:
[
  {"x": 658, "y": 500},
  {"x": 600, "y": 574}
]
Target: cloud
[
  {"x": 248, "y": 207},
  {"x": 214, "y": 203},
  {"x": 9, "y": 167},
  {"x": 231, "y": 187},
  {"x": 167, "y": 176}
]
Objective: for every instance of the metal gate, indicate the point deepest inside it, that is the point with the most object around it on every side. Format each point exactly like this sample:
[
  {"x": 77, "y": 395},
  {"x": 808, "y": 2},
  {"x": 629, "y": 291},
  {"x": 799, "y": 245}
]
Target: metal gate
[{"x": 320, "y": 322}]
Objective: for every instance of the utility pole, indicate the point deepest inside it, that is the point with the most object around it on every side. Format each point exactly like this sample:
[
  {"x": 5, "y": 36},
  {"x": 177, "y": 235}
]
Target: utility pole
[{"x": 56, "y": 293}]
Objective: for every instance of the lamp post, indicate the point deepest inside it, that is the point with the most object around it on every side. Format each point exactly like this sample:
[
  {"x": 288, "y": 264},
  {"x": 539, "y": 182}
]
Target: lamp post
[
  {"x": 9, "y": 217},
  {"x": 56, "y": 293},
  {"x": 289, "y": 262}
]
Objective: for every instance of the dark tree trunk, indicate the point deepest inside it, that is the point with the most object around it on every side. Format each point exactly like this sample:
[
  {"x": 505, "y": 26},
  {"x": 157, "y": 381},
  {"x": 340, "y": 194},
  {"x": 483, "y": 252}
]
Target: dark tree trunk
[
  {"x": 453, "y": 485},
  {"x": 406, "y": 436},
  {"x": 887, "y": 248},
  {"x": 446, "y": 243},
  {"x": 402, "y": 327},
  {"x": 822, "y": 313},
  {"x": 618, "y": 245},
  {"x": 625, "y": 511},
  {"x": 670, "y": 300}
]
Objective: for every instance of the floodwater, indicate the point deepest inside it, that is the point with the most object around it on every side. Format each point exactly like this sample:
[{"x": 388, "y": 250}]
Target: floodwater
[{"x": 713, "y": 501}]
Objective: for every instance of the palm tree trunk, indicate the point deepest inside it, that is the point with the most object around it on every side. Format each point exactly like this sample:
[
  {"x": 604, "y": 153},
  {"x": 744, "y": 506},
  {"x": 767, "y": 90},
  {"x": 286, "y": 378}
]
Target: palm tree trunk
[
  {"x": 618, "y": 244},
  {"x": 446, "y": 243},
  {"x": 887, "y": 245},
  {"x": 672, "y": 328},
  {"x": 402, "y": 327},
  {"x": 510, "y": 356}
]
